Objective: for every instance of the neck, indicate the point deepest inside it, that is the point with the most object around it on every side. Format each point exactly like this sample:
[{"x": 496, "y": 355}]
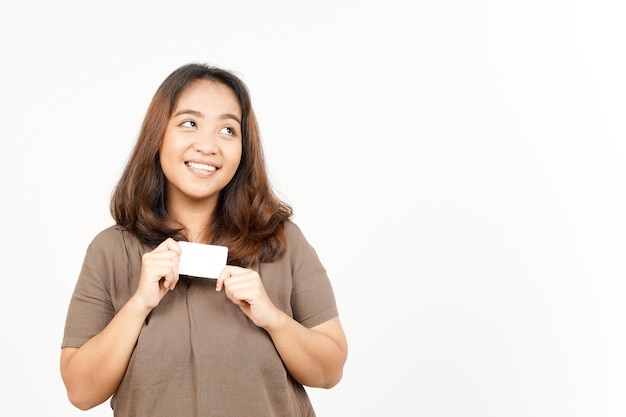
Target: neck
[{"x": 195, "y": 219}]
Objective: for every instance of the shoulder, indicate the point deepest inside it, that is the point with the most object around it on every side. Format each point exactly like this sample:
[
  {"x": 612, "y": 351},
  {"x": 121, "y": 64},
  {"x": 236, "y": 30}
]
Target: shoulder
[
  {"x": 292, "y": 230},
  {"x": 111, "y": 235},
  {"x": 295, "y": 236},
  {"x": 114, "y": 239},
  {"x": 297, "y": 244},
  {"x": 114, "y": 254}
]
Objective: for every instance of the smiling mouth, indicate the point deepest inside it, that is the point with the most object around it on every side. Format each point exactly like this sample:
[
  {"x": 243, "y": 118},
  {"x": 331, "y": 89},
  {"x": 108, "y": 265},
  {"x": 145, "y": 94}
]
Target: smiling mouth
[{"x": 203, "y": 167}]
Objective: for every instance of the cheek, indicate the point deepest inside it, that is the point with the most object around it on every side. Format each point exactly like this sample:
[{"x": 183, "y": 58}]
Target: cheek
[
  {"x": 234, "y": 161},
  {"x": 164, "y": 152},
  {"x": 167, "y": 156},
  {"x": 171, "y": 147},
  {"x": 234, "y": 155},
  {"x": 165, "y": 148}
]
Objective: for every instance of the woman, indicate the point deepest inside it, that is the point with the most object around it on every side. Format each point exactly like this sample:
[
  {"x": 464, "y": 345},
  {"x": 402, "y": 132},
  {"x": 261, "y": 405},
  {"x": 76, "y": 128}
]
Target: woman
[{"x": 161, "y": 344}]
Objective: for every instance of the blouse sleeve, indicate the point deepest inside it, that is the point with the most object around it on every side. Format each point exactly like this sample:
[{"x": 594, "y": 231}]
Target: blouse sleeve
[
  {"x": 91, "y": 306},
  {"x": 312, "y": 297}
]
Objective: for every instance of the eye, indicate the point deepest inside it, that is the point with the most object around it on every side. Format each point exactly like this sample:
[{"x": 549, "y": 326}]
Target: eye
[
  {"x": 227, "y": 131},
  {"x": 188, "y": 123}
]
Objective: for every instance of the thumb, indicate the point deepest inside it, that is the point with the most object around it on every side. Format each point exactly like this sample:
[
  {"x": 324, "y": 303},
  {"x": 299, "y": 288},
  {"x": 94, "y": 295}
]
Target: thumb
[
  {"x": 220, "y": 279},
  {"x": 169, "y": 244}
]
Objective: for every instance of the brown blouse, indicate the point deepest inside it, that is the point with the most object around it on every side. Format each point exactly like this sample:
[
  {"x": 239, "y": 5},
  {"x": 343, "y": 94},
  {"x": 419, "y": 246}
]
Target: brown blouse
[{"x": 198, "y": 354}]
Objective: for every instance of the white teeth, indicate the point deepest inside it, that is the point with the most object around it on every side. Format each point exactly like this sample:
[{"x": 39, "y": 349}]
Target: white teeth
[{"x": 201, "y": 166}]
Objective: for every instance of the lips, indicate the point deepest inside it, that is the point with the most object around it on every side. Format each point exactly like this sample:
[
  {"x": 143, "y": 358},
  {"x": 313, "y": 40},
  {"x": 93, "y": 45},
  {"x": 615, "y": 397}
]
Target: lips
[{"x": 201, "y": 167}]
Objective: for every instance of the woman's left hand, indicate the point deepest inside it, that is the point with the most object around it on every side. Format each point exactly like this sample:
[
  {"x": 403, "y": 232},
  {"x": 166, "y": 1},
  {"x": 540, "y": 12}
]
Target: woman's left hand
[{"x": 244, "y": 287}]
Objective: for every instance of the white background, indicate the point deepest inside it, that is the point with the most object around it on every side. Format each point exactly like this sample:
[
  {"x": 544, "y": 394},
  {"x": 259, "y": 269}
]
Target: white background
[{"x": 458, "y": 165}]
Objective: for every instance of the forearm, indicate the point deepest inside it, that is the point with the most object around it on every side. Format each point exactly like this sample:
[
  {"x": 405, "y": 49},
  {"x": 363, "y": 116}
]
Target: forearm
[
  {"x": 93, "y": 372},
  {"x": 314, "y": 357}
]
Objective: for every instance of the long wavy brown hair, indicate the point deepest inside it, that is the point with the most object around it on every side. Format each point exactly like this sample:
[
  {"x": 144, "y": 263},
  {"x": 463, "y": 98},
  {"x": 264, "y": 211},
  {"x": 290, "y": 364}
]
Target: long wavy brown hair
[{"x": 249, "y": 218}]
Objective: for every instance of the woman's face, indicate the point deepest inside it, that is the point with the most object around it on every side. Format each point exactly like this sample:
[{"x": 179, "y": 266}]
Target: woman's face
[{"x": 201, "y": 148}]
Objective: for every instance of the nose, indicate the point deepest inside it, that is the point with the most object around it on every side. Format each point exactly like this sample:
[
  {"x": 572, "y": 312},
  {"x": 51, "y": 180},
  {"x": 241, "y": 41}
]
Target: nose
[{"x": 206, "y": 143}]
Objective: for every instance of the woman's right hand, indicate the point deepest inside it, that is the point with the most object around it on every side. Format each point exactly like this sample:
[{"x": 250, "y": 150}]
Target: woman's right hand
[{"x": 159, "y": 273}]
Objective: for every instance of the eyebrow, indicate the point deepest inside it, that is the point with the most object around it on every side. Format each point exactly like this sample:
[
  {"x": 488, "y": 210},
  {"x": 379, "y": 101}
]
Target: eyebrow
[
  {"x": 199, "y": 114},
  {"x": 188, "y": 111}
]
